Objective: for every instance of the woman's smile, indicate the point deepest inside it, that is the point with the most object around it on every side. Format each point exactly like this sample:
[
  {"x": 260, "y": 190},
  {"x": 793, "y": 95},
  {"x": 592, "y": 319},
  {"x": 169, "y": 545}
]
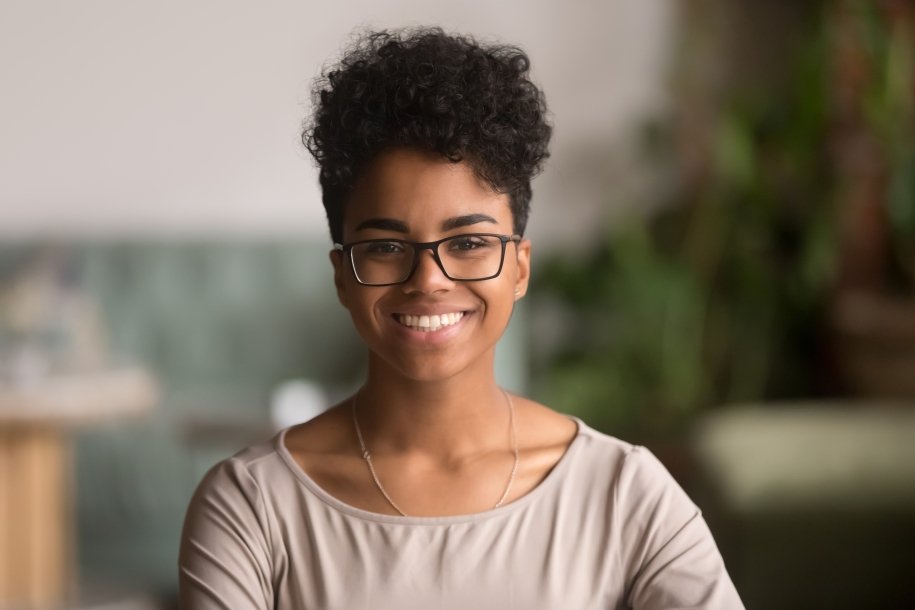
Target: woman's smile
[
  {"x": 430, "y": 328},
  {"x": 429, "y": 323}
]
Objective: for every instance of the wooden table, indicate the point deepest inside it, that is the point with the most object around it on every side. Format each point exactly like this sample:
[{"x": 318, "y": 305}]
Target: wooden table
[{"x": 37, "y": 541}]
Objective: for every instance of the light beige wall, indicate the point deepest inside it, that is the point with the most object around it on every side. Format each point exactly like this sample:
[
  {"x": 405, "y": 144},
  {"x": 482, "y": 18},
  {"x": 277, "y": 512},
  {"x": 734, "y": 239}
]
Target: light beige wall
[{"x": 173, "y": 117}]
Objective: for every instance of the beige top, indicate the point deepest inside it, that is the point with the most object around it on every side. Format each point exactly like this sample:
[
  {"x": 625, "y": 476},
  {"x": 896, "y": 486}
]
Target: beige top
[{"x": 607, "y": 528}]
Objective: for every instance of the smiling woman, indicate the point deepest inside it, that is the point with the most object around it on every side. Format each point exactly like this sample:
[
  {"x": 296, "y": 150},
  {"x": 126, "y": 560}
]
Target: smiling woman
[
  {"x": 432, "y": 487},
  {"x": 408, "y": 193}
]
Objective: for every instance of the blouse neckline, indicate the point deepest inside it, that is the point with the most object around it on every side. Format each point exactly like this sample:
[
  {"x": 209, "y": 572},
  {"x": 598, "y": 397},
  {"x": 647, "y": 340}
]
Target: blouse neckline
[{"x": 549, "y": 481}]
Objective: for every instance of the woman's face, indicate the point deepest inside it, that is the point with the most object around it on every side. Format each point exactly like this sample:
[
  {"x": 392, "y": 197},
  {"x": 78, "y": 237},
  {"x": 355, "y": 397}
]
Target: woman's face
[{"x": 413, "y": 196}]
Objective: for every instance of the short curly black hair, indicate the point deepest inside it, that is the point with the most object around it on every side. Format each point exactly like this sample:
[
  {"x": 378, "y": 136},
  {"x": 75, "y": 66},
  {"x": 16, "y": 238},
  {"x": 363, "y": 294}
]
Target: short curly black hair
[{"x": 432, "y": 91}]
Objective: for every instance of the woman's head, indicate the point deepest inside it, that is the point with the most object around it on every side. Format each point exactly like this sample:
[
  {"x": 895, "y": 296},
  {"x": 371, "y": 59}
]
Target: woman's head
[{"x": 437, "y": 93}]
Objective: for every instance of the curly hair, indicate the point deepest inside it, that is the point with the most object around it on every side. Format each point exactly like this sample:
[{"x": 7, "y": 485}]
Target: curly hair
[{"x": 441, "y": 93}]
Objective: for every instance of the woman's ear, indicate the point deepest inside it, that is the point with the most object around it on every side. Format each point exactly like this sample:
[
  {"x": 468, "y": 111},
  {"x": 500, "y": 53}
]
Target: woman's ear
[
  {"x": 336, "y": 259},
  {"x": 523, "y": 268}
]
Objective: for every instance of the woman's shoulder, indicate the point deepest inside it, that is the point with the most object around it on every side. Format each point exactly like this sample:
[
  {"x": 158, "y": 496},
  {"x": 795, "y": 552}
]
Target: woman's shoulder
[
  {"x": 289, "y": 450},
  {"x": 253, "y": 471},
  {"x": 586, "y": 458},
  {"x": 541, "y": 427},
  {"x": 548, "y": 427},
  {"x": 634, "y": 477},
  {"x": 595, "y": 455},
  {"x": 241, "y": 475},
  {"x": 283, "y": 452},
  {"x": 326, "y": 434}
]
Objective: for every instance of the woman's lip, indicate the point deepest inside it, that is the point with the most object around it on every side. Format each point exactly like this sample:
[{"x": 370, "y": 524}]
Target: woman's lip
[{"x": 430, "y": 312}]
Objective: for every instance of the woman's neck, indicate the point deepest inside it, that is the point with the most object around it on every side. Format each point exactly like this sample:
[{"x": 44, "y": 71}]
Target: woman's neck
[{"x": 449, "y": 419}]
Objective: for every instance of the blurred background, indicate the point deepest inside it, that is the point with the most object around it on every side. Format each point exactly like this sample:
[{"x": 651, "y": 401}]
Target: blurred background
[{"x": 724, "y": 270}]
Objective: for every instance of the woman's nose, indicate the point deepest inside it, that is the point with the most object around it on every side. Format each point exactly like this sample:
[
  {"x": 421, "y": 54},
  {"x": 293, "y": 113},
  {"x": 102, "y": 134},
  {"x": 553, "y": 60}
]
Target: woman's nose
[{"x": 428, "y": 276}]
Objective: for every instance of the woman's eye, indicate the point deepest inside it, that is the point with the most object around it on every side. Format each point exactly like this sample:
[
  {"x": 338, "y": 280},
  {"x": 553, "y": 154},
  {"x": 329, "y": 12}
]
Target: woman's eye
[
  {"x": 385, "y": 247},
  {"x": 468, "y": 243}
]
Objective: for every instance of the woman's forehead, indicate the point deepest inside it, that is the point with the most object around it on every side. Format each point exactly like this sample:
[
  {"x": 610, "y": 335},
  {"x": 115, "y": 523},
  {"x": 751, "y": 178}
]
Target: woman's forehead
[{"x": 417, "y": 188}]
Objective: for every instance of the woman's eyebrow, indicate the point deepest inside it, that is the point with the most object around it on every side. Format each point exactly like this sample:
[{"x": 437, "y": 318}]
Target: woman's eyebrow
[
  {"x": 463, "y": 221},
  {"x": 399, "y": 226},
  {"x": 385, "y": 224}
]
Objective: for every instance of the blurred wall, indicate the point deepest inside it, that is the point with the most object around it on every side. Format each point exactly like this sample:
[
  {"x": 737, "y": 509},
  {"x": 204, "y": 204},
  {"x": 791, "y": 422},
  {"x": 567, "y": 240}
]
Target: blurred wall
[{"x": 183, "y": 117}]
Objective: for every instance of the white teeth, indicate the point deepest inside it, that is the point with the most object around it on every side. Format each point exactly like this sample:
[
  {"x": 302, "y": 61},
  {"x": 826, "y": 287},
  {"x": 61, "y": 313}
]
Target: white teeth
[{"x": 430, "y": 323}]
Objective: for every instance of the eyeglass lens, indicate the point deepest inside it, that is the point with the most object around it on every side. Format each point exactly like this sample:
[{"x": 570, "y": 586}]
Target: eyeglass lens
[{"x": 465, "y": 257}]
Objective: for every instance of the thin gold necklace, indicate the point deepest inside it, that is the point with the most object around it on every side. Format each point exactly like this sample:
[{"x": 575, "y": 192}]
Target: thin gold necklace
[{"x": 367, "y": 456}]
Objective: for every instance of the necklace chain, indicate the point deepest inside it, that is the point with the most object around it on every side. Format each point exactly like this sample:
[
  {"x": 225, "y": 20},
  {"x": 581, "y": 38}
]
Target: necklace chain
[{"x": 367, "y": 456}]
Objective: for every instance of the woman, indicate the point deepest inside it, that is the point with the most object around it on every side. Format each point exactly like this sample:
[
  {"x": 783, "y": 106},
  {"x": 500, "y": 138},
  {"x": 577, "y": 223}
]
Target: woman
[{"x": 432, "y": 487}]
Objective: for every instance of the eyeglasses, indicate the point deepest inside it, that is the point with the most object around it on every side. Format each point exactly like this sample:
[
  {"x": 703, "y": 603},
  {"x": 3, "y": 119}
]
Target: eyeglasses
[{"x": 468, "y": 258}]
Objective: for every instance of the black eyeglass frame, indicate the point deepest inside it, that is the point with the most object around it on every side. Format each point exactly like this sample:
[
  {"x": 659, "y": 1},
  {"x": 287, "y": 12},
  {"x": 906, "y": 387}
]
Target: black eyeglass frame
[{"x": 417, "y": 246}]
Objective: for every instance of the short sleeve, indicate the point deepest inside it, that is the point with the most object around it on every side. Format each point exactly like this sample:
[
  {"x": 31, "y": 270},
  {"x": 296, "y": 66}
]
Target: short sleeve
[
  {"x": 668, "y": 553},
  {"x": 224, "y": 561}
]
